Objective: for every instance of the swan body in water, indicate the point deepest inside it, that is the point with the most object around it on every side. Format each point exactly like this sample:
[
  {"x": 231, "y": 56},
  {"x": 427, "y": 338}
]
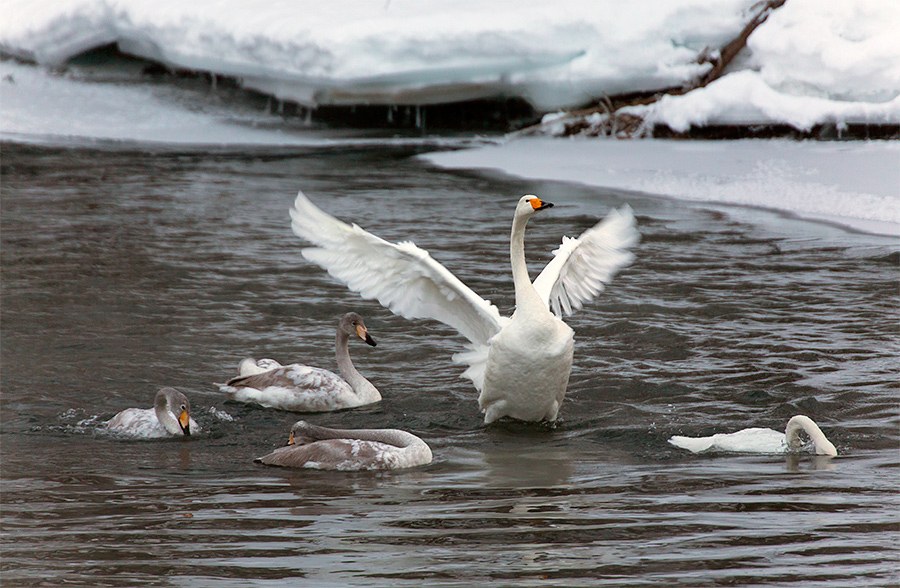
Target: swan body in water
[
  {"x": 302, "y": 388},
  {"x": 170, "y": 416},
  {"x": 322, "y": 448},
  {"x": 519, "y": 364},
  {"x": 759, "y": 440}
]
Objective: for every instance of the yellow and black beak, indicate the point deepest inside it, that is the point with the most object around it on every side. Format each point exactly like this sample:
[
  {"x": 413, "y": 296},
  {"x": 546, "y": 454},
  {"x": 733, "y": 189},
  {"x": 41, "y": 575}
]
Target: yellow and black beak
[
  {"x": 184, "y": 420},
  {"x": 538, "y": 204},
  {"x": 363, "y": 334},
  {"x": 291, "y": 439}
]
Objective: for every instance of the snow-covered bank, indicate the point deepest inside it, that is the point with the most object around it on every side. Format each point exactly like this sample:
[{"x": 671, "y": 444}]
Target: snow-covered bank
[
  {"x": 855, "y": 184},
  {"x": 744, "y": 99},
  {"x": 402, "y": 51},
  {"x": 811, "y": 62},
  {"x": 40, "y": 106},
  {"x": 37, "y": 106}
]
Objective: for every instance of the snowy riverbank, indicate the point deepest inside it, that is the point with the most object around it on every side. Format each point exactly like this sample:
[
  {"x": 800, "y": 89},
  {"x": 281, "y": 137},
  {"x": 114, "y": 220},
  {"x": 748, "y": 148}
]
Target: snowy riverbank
[
  {"x": 853, "y": 184},
  {"x": 811, "y": 62}
]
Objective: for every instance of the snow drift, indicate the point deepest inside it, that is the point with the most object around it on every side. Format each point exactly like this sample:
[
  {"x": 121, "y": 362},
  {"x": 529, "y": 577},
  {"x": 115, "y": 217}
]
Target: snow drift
[{"x": 554, "y": 55}]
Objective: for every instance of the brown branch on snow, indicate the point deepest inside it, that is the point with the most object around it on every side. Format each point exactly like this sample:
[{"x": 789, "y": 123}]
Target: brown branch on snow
[
  {"x": 608, "y": 121},
  {"x": 730, "y": 51}
]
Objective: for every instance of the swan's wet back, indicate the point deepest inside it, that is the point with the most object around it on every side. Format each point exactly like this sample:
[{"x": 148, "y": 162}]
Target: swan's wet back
[{"x": 124, "y": 271}]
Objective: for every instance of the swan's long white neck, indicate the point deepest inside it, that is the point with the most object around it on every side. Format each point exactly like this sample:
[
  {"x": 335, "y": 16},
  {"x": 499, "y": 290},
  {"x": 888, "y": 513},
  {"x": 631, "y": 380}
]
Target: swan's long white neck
[
  {"x": 526, "y": 295},
  {"x": 361, "y": 386},
  {"x": 803, "y": 423},
  {"x": 165, "y": 417},
  {"x": 395, "y": 437}
]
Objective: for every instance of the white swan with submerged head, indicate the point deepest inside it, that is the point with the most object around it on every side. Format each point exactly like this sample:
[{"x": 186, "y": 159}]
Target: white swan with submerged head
[
  {"x": 322, "y": 448},
  {"x": 169, "y": 417},
  {"x": 302, "y": 388},
  {"x": 759, "y": 440},
  {"x": 521, "y": 364}
]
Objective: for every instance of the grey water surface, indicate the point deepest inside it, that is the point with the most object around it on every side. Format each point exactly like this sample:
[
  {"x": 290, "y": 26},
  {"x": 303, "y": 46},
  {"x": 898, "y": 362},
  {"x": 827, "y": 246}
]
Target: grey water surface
[{"x": 125, "y": 269}]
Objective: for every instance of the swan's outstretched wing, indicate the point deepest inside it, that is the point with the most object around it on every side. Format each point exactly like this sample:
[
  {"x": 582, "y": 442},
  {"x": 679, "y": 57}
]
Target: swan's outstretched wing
[
  {"x": 581, "y": 267},
  {"x": 401, "y": 276}
]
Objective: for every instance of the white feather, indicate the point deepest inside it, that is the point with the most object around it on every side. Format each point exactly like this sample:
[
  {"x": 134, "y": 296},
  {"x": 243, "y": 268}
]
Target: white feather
[
  {"x": 401, "y": 276},
  {"x": 753, "y": 440},
  {"x": 582, "y": 267}
]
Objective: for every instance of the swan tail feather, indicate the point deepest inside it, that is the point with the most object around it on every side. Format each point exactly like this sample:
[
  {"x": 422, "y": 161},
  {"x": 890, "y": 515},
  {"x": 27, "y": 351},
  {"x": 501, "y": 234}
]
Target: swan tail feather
[{"x": 475, "y": 357}]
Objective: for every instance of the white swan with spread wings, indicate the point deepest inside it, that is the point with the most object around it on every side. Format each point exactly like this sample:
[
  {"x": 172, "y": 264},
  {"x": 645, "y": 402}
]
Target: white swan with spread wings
[{"x": 521, "y": 364}]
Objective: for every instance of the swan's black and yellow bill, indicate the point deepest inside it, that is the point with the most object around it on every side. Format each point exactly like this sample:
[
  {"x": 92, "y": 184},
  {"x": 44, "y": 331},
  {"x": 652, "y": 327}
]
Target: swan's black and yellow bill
[
  {"x": 538, "y": 204},
  {"x": 363, "y": 334},
  {"x": 184, "y": 421}
]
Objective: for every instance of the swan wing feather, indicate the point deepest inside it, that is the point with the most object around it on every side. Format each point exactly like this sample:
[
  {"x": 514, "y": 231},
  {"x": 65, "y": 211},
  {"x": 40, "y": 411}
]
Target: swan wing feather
[
  {"x": 142, "y": 423},
  {"x": 137, "y": 422},
  {"x": 294, "y": 387},
  {"x": 401, "y": 276},
  {"x": 292, "y": 377},
  {"x": 582, "y": 267}
]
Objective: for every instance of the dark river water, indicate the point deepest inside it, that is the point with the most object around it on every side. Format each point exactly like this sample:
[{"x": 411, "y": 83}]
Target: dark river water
[{"x": 127, "y": 269}]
